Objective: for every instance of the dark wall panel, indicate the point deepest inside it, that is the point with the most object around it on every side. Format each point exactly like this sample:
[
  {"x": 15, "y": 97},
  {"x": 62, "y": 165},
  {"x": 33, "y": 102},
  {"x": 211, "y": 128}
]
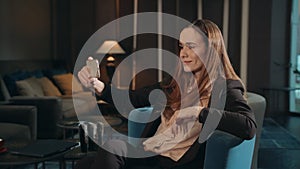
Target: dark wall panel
[
  {"x": 146, "y": 41},
  {"x": 188, "y": 9},
  {"x": 81, "y": 25},
  {"x": 280, "y": 43},
  {"x": 234, "y": 34},
  {"x": 169, "y": 44},
  {"x": 147, "y": 6},
  {"x": 25, "y": 30},
  {"x": 105, "y": 11},
  {"x": 58, "y": 29},
  {"x": 259, "y": 45},
  {"x": 268, "y": 61},
  {"x": 61, "y": 39},
  {"x": 169, "y": 7},
  {"x": 280, "y": 51},
  {"x": 126, "y": 8},
  {"x": 213, "y": 10}
]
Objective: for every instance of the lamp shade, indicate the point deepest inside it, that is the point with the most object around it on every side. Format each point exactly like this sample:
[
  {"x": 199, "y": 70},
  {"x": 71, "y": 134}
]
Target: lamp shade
[{"x": 110, "y": 47}]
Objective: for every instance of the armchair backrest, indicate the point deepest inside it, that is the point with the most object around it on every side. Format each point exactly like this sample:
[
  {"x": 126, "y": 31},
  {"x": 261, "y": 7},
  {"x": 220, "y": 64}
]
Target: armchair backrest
[
  {"x": 258, "y": 106},
  {"x": 226, "y": 151}
]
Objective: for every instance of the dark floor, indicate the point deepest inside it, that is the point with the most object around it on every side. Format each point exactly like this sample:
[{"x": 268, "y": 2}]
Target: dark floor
[{"x": 282, "y": 158}]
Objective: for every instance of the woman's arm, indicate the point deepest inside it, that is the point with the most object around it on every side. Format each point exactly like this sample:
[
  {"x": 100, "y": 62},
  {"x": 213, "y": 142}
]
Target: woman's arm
[
  {"x": 138, "y": 98},
  {"x": 237, "y": 117}
]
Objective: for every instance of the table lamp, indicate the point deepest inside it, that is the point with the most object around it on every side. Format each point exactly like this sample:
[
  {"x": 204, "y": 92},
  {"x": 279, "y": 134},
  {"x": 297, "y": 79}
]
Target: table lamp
[{"x": 110, "y": 47}]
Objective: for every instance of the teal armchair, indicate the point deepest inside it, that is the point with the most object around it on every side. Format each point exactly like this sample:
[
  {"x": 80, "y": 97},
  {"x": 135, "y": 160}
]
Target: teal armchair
[{"x": 223, "y": 150}]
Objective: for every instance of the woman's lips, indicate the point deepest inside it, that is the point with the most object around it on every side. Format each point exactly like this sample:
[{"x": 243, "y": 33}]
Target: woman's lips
[{"x": 187, "y": 62}]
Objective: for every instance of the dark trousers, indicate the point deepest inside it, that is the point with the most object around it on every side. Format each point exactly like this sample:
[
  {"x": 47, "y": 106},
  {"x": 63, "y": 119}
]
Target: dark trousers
[{"x": 114, "y": 156}]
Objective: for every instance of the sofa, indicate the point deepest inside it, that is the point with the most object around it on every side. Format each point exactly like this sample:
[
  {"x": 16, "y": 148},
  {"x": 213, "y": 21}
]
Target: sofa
[
  {"x": 51, "y": 92},
  {"x": 223, "y": 150}
]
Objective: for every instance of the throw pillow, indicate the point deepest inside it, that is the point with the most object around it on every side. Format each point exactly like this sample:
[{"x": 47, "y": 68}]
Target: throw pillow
[
  {"x": 65, "y": 83},
  {"x": 48, "y": 87},
  {"x": 10, "y": 81},
  {"x": 30, "y": 87}
]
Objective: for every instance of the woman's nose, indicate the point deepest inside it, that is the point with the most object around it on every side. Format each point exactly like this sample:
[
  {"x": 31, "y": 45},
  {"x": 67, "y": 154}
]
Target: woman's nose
[{"x": 183, "y": 52}]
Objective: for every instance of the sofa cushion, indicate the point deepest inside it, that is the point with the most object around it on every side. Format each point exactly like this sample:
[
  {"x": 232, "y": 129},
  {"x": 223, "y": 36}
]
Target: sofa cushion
[
  {"x": 67, "y": 82},
  {"x": 48, "y": 87},
  {"x": 30, "y": 87},
  {"x": 11, "y": 78},
  {"x": 10, "y": 81}
]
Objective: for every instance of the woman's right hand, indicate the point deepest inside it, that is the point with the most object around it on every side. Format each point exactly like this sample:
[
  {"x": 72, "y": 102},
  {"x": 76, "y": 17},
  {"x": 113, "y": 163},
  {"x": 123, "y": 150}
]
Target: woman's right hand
[{"x": 87, "y": 81}]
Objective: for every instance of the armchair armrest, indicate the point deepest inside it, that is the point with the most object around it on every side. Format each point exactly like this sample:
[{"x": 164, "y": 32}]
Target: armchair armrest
[
  {"x": 226, "y": 151},
  {"x": 135, "y": 127},
  {"x": 26, "y": 115},
  {"x": 48, "y": 113}
]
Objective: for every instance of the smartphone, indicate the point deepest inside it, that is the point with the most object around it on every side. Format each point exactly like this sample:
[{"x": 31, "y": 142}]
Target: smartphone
[{"x": 93, "y": 66}]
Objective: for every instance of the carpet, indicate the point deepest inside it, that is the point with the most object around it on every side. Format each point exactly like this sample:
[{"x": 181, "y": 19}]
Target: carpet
[{"x": 275, "y": 136}]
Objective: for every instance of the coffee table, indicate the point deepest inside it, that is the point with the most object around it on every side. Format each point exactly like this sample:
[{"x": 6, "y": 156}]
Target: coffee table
[{"x": 10, "y": 160}]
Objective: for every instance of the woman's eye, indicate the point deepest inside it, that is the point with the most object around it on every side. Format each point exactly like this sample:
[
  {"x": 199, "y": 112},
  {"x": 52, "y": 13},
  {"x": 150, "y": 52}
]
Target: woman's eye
[
  {"x": 191, "y": 46},
  {"x": 180, "y": 46},
  {"x": 188, "y": 45}
]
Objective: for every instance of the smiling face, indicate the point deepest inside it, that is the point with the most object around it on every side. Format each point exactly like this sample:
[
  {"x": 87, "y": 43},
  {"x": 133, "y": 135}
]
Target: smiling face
[{"x": 192, "y": 48}]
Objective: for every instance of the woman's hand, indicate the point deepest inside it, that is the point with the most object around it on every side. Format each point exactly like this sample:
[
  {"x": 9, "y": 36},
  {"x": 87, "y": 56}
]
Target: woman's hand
[
  {"x": 185, "y": 120},
  {"x": 188, "y": 114},
  {"x": 87, "y": 81}
]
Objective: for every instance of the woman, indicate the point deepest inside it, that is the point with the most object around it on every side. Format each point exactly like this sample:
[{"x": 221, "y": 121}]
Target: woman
[{"x": 204, "y": 63}]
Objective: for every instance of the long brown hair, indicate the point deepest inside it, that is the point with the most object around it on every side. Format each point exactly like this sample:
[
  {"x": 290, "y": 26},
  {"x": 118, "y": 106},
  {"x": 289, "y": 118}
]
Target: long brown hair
[{"x": 216, "y": 59}]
